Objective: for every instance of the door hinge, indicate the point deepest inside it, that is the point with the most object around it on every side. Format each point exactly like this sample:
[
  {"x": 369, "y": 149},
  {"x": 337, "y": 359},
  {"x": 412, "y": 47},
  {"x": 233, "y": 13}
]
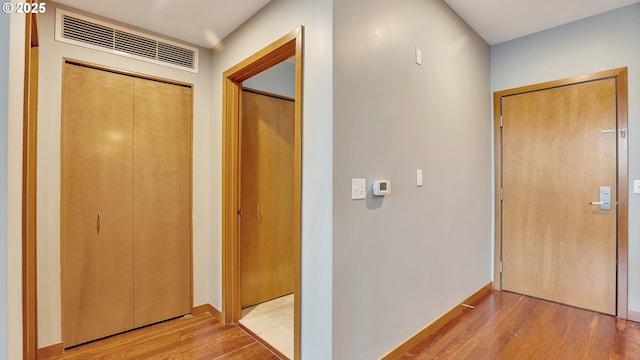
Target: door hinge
[
  {"x": 239, "y": 212},
  {"x": 501, "y": 194},
  {"x": 500, "y": 120},
  {"x": 500, "y": 267}
]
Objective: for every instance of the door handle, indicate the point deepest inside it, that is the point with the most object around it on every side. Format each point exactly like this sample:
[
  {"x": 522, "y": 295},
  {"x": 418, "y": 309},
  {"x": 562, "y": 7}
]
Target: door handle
[
  {"x": 605, "y": 198},
  {"x": 98, "y": 224}
]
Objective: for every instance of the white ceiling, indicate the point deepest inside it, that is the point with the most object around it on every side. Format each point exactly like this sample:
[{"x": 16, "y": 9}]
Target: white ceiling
[
  {"x": 206, "y": 22},
  {"x": 502, "y": 20},
  {"x": 200, "y": 22}
]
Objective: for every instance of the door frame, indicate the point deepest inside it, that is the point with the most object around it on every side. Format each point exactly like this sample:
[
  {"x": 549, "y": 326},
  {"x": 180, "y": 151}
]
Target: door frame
[
  {"x": 274, "y": 53},
  {"x": 620, "y": 75},
  {"x": 29, "y": 190}
]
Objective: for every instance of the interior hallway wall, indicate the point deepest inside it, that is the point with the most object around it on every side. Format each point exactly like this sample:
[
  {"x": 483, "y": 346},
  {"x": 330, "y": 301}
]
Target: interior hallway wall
[
  {"x": 277, "y": 19},
  {"x": 12, "y": 34},
  {"x": 602, "y": 42},
  {"x": 401, "y": 261},
  {"x": 4, "y": 121},
  {"x": 51, "y": 59}
]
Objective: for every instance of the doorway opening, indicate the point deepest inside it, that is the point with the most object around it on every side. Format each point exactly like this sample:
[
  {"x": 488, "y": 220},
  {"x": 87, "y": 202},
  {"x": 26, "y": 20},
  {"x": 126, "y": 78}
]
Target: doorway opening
[{"x": 289, "y": 46}]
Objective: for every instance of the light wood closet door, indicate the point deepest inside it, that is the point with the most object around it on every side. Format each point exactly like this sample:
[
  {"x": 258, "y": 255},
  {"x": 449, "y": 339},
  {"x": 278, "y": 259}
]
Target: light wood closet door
[
  {"x": 96, "y": 217},
  {"x": 266, "y": 198},
  {"x": 126, "y": 203},
  {"x": 162, "y": 201},
  {"x": 286, "y": 115}
]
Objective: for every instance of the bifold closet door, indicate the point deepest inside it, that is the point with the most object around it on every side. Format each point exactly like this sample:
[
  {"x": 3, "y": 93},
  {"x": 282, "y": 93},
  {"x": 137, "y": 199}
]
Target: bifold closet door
[
  {"x": 96, "y": 196},
  {"x": 286, "y": 134},
  {"x": 162, "y": 201},
  {"x": 266, "y": 258},
  {"x": 126, "y": 202}
]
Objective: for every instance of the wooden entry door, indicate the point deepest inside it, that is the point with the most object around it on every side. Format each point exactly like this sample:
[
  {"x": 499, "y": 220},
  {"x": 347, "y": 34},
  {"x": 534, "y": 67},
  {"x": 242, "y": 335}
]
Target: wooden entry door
[
  {"x": 267, "y": 198},
  {"x": 558, "y": 148}
]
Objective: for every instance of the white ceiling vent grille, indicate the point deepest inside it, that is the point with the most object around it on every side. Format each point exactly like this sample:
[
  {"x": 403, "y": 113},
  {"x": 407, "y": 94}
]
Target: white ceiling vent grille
[{"x": 83, "y": 31}]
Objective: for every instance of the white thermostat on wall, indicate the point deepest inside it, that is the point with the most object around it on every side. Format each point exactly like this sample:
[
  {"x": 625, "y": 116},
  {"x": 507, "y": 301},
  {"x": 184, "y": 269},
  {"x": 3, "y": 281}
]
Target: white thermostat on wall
[{"x": 381, "y": 187}]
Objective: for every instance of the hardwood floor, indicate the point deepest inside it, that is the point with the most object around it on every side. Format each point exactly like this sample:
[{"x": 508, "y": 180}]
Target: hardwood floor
[
  {"x": 512, "y": 326},
  {"x": 197, "y": 337},
  {"x": 502, "y": 326}
]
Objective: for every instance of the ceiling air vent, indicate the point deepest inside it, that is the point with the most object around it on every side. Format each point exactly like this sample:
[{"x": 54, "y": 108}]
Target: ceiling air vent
[{"x": 83, "y": 31}]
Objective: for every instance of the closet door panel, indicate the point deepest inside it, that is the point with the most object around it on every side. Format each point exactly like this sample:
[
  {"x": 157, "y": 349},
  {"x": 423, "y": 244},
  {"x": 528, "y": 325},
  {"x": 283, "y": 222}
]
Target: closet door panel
[
  {"x": 96, "y": 207},
  {"x": 286, "y": 116},
  {"x": 267, "y": 185},
  {"x": 259, "y": 171},
  {"x": 162, "y": 201}
]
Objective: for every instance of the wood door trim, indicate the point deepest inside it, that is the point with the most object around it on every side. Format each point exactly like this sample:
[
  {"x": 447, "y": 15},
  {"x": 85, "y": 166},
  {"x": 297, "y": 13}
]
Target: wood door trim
[
  {"x": 274, "y": 53},
  {"x": 29, "y": 191},
  {"x": 95, "y": 66},
  {"x": 620, "y": 74}
]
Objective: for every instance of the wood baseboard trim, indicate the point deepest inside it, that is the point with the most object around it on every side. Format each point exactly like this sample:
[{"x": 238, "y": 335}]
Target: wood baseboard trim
[
  {"x": 633, "y": 316},
  {"x": 262, "y": 342},
  {"x": 49, "y": 352},
  {"x": 204, "y": 309},
  {"x": 438, "y": 323}
]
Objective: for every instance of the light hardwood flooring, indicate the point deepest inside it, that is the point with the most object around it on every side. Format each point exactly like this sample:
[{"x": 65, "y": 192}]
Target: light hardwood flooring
[
  {"x": 512, "y": 327},
  {"x": 502, "y": 326},
  {"x": 272, "y": 321},
  {"x": 192, "y": 337}
]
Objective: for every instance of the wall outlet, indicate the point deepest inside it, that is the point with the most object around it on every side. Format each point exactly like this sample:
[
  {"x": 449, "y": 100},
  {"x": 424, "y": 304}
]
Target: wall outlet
[{"x": 636, "y": 186}]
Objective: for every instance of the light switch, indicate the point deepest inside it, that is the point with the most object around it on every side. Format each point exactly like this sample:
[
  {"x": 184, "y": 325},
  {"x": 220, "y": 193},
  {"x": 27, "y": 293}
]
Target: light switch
[
  {"x": 358, "y": 189},
  {"x": 419, "y": 177},
  {"x": 418, "y": 56},
  {"x": 636, "y": 186}
]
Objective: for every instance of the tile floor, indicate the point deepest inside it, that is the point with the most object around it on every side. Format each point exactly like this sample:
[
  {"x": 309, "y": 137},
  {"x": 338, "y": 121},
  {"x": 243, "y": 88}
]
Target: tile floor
[{"x": 272, "y": 321}]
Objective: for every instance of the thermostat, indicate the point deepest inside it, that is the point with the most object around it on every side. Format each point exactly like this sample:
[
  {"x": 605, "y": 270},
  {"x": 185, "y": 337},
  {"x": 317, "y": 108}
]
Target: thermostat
[{"x": 381, "y": 187}]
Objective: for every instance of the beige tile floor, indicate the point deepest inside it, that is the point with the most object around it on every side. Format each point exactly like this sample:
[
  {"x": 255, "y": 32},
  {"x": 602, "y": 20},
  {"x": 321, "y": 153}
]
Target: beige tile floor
[{"x": 272, "y": 321}]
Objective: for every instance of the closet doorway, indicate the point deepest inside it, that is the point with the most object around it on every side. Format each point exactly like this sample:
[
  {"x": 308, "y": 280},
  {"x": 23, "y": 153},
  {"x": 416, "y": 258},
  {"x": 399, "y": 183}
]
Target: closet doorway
[
  {"x": 266, "y": 232},
  {"x": 235, "y": 209},
  {"x": 125, "y": 202},
  {"x": 266, "y": 198}
]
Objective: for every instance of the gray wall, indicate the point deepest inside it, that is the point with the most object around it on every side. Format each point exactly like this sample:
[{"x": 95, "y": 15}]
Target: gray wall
[
  {"x": 279, "y": 80},
  {"x": 402, "y": 261},
  {"x": 12, "y": 173},
  {"x": 4, "y": 119},
  {"x": 606, "y": 41},
  {"x": 271, "y": 23}
]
